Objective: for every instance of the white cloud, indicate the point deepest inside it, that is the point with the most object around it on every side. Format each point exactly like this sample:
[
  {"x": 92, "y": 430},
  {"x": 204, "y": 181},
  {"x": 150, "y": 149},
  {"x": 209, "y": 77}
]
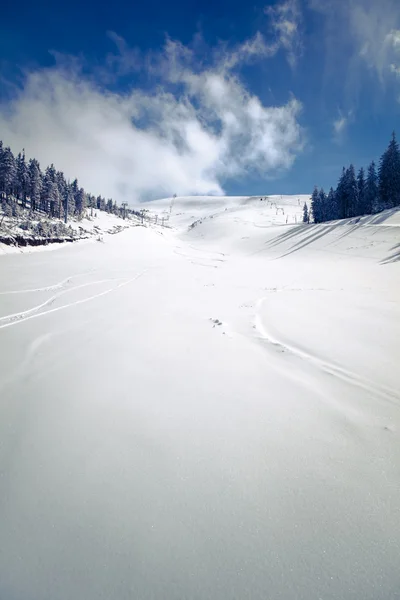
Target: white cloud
[
  {"x": 285, "y": 21},
  {"x": 366, "y": 29},
  {"x": 394, "y": 69},
  {"x": 393, "y": 38},
  {"x": 196, "y": 128},
  {"x": 340, "y": 125}
]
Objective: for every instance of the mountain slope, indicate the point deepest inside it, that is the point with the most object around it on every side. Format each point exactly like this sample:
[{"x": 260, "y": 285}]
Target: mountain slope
[{"x": 204, "y": 412}]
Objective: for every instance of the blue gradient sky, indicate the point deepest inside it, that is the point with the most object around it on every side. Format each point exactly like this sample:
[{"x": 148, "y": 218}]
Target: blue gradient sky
[{"x": 142, "y": 100}]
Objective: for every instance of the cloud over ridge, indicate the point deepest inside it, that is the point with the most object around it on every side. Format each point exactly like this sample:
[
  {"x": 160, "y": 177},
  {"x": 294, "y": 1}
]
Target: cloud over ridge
[{"x": 195, "y": 129}]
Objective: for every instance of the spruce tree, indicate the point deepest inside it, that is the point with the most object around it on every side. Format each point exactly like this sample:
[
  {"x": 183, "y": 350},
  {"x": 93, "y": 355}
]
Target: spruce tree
[
  {"x": 351, "y": 192},
  {"x": 35, "y": 183},
  {"x": 316, "y": 206},
  {"x": 306, "y": 218},
  {"x": 331, "y": 206},
  {"x": 389, "y": 175},
  {"x": 323, "y": 206},
  {"x": 22, "y": 178},
  {"x": 50, "y": 193},
  {"x": 371, "y": 195},
  {"x": 8, "y": 171},
  {"x": 340, "y": 196},
  {"x": 80, "y": 202},
  {"x": 361, "y": 192},
  {"x": 68, "y": 202}
]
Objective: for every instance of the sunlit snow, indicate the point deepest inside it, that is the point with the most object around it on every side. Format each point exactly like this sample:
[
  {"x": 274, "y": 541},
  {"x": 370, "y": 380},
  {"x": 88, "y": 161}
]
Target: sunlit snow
[{"x": 208, "y": 410}]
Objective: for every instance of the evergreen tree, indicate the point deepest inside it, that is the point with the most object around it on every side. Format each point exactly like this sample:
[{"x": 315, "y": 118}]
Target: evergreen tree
[
  {"x": 389, "y": 175},
  {"x": 340, "y": 195},
  {"x": 35, "y": 183},
  {"x": 8, "y": 171},
  {"x": 361, "y": 192},
  {"x": 323, "y": 206},
  {"x": 351, "y": 192},
  {"x": 80, "y": 202},
  {"x": 22, "y": 178},
  {"x": 315, "y": 206},
  {"x": 50, "y": 193},
  {"x": 371, "y": 196},
  {"x": 62, "y": 186},
  {"x": 68, "y": 201},
  {"x": 306, "y": 218},
  {"x": 331, "y": 206}
]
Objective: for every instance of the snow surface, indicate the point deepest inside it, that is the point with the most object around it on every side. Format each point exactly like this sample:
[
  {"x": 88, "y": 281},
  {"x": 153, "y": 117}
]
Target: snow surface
[{"x": 204, "y": 413}]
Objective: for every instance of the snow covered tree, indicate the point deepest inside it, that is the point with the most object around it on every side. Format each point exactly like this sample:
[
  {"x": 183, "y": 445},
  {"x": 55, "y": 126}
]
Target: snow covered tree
[
  {"x": 80, "y": 202},
  {"x": 61, "y": 186},
  {"x": 50, "y": 193},
  {"x": 306, "y": 217},
  {"x": 35, "y": 183},
  {"x": 22, "y": 178},
  {"x": 8, "y": 171},
  {"x": 389, "y": 175},
  {"x": 68, "y": 201}
]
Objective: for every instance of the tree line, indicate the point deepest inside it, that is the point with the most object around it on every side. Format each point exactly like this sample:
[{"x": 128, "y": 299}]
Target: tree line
[
  {"x": 362, "y": 193},
  {"x": 23, "y": 183}
]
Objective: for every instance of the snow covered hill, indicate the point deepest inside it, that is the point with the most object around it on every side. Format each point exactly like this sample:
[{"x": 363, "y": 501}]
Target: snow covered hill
[
  {"x": 208, "y": 409},
  {"x": 27, "y": 234}
]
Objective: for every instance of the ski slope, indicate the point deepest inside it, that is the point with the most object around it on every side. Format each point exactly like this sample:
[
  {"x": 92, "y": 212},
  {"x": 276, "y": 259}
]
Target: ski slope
[{"x": 204, "y": 411}]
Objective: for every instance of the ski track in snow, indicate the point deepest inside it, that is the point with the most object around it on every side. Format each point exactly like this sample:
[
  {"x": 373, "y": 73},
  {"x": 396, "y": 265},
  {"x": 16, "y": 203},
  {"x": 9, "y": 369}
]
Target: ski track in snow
[
  {"x": 324, "y": 365},
  {"x": 26, "y": 315},
  {"x": 48, "y": 288}
]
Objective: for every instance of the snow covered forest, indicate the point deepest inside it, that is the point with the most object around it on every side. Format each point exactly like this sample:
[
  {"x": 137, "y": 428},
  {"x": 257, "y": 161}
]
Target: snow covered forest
[
  {"x": 363, "y": 194},
  {"x": 23, "y": 185}
]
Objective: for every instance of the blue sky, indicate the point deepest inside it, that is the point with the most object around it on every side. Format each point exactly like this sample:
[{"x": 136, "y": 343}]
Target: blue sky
[{"x": 146, "y": 100}]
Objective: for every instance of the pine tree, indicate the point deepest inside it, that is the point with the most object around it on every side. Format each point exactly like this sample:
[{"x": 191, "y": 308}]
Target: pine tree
[
  {"x": 316, "y": 206},
  {"x": 323, "y": 215},
  {"x": 35, "y": 183},
  {"x": 351, "y": 192},
  {"x": 61, "y": 185},
  {"x": 331, "y": 206},
  {"x": 80, "y": 202},
  {"x": 68, "y": 201},
  {"x": 8, "y": 172},
  {"x": 389, "y": 175},
  {"x": 361, "y": 192},
  {"x": 22, "y": 178},
  {"x": 340, "y": 194},
  {"x": 306, "y": 217},
  {"x": 50, "y": 193},
  {"x": 371, "y": 196}
]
